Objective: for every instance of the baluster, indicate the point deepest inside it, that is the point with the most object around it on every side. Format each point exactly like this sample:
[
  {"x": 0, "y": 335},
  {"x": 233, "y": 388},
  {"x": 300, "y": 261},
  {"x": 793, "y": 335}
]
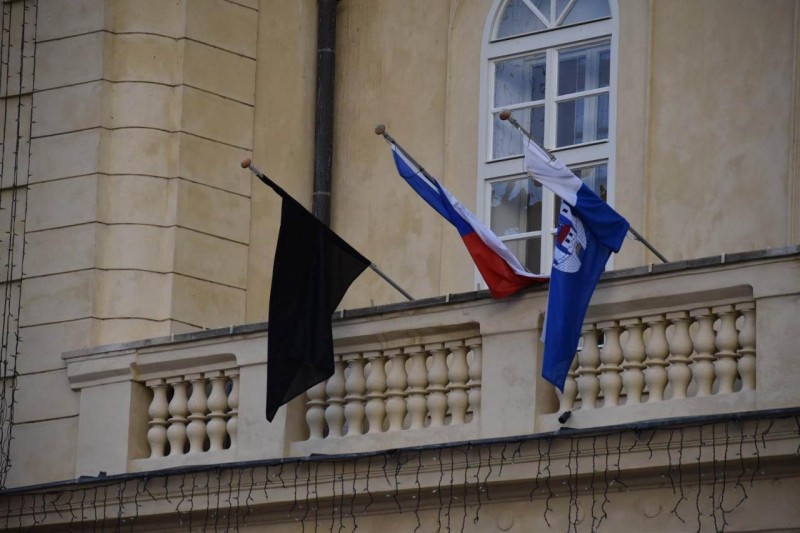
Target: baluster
[
  {"x": 158, "y": 412},
  {"x": 196, "y": 430},
  {"x": 567, "y": 398},
  {"x": 335, "y": 389},
  {"x": 680, "y": 347},
  {"x": 611, "y": 357},
  {"x": 634, "y": 354},
  {"x": 458, "y": 375},
  {"x": 727, "y": 342},
  {"x": 217, "y": 402},
  {"x": 396, "y": 383},
  {"x": 417, "y": 386},
  {"x": 233, "y": 404},
  {"x": 657, "y": 351},
  {"x": 747, "y": 341},
  {"x": 437, "y": 390},
  {"x": 702, "y": 362},
  {"x": 356, "y": 387},
  {"x": 475, "y": 372},
  {"x": 376, "y": 391},
  {"x": 315, "y": 412},
  {"x": 178, "y": 410},
  {"x": 589, "y": 361}
]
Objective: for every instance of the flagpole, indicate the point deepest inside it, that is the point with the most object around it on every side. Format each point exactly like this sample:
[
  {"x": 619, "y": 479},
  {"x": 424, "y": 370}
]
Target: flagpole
[
  {"x": 389, "y": 280},
  {"x": 380, "y": 129},
  {"x": 248, "y": 164},
  {"x": 505, "y": 114}
]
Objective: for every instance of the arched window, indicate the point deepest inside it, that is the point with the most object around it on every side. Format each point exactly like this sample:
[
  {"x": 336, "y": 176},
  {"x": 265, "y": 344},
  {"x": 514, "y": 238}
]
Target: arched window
[{"x": 552, "y": 63}]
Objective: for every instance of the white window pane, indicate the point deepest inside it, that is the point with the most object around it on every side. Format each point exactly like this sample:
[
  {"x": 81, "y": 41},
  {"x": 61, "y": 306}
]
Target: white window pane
[
  {"x": 586, "y": 10},
  {"x": 516, "y": 206},
  {"x": 595, "y": 177},
  {"x": 582, "y": 120},
  {"x": 507, "y": 141},
  {"x": 583, "y": 68},
  {"x": 519, "y": 80},
  {"x": 517, "y": 19},
  {"x": 528, "y": 251},
  {"x": 543, "y": 6}
]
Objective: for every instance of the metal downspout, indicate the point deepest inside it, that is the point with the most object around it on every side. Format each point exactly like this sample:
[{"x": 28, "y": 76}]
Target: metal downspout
[{"x": 323, "y": 131}]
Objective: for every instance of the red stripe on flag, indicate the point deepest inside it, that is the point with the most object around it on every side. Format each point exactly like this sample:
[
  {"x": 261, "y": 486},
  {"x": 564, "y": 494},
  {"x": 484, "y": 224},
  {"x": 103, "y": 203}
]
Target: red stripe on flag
[{"x": 498, "y": 275}]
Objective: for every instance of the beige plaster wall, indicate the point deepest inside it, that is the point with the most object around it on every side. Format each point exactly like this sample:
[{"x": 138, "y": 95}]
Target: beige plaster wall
[
  {"x": 722, "y": 112},
  {"x": 283, "y": 132},
  {"x": 138, "y": 213},
  {"x": 393, "y": 56},
  {"x": 631, "y": 132}
]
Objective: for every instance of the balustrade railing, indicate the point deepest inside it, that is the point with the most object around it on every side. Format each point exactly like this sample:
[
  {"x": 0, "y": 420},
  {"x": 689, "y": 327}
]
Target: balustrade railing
[
  {"x": 681, "y": 340},
  {"x": 193, "y": 413},
  {"x": 411, "y": 387},
  {"x": 695, "y": 352}
]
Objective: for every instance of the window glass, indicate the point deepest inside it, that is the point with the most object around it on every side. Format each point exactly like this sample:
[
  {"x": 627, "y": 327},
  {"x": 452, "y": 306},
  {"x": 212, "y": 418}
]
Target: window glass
[
  {"x": 595, "y": 177},
  {"x": 528, "y": 251},
  {"x": 506, "y": 140},
  {"x": 517, "y": 19},
  {"x": 583, "y": 68},
  {"x": 518, "y": 80},
  {"x": 586, "y": 10},
  {"x": 516, "y": 206},
  {"x": 582, "y": 120}
]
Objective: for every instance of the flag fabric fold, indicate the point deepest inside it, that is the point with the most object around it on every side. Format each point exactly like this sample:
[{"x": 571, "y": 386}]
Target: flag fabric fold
[
  {"x": 500, "y": 269},
  {"x": 588, "y": 231},
  {"x": 312, "y": 269}
]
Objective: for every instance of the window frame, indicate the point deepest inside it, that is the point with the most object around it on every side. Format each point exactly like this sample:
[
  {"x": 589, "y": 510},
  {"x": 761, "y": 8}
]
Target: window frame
[{"x": 549, "y": 41}]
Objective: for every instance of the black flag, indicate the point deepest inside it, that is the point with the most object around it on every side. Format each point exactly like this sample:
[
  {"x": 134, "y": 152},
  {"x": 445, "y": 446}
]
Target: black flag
[{"x": 312, "y": 270}]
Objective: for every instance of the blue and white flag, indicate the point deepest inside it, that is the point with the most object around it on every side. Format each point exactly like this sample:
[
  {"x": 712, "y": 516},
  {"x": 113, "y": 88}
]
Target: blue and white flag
[{"x": 588, "y": 231}]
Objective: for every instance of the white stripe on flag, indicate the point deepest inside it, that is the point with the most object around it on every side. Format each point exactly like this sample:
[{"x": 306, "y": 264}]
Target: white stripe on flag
[{"x": 553, "y": 174}]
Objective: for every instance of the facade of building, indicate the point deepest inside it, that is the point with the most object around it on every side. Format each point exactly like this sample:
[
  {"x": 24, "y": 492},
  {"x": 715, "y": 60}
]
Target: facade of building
[{"x": 139, "y": 258}]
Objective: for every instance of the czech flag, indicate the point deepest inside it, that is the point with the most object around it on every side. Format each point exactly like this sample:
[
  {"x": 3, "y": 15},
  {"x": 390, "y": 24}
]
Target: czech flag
[
  {"x": 588, "y": 231},
  {"x": 501, "y": 270}
]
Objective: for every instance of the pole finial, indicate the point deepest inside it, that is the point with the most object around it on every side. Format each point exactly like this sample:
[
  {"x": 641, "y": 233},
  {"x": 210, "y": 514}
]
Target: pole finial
[
  {"x": 246, "y": 162},
  {"x": 380, "y": 129},
  {"x": 504, "y": 114}
]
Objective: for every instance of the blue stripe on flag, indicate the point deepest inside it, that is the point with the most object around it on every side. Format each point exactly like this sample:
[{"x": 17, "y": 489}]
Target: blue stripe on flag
[{"x": 430, "y": 191}]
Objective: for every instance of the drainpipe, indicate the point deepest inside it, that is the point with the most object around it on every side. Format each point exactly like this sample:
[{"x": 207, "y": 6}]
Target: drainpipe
[{"x": 323, "y": 131}]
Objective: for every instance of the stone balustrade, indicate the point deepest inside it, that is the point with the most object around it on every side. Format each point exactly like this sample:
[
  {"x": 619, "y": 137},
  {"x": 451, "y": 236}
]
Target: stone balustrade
[
  {"x": 193, "y": 413},
  {"x": 636, "y": 359},
  {"x": 700, "y": 338},
  {"x": 406, "y": 388}
]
